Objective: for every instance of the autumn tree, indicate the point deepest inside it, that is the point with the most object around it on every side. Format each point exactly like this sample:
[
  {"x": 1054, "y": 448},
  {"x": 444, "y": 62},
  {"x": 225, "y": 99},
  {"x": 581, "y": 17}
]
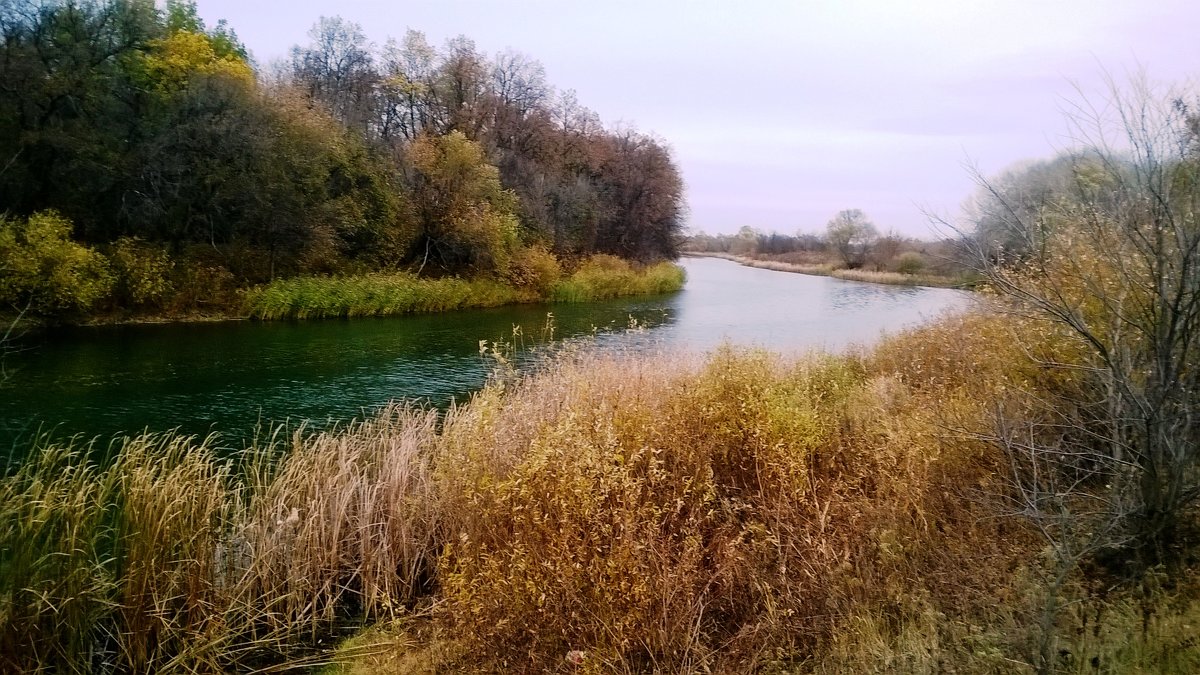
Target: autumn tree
[
  {"x": 406, "y": 88},
  {"x": 467, "y": 218},
  {"x": 1116, "y": 269},
  {"x": 337, "y": 69},
  {"x": 850, "y": 233}
]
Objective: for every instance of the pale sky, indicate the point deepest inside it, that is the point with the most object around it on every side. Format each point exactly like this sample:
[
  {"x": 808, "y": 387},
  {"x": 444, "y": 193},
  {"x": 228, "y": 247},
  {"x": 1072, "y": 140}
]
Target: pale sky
[{"x": 779, "y": 114}]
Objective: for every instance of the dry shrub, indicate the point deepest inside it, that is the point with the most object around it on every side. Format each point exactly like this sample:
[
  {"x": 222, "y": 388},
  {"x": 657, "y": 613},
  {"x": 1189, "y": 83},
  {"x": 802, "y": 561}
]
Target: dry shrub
[
  {"x": 534, "y": 269},
  {"x": 661, "y": 518}
]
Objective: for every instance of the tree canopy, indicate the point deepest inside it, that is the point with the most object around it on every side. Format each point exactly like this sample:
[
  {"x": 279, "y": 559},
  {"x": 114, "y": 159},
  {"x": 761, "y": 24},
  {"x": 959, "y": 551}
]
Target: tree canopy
[{"x": 133, "y": 121}]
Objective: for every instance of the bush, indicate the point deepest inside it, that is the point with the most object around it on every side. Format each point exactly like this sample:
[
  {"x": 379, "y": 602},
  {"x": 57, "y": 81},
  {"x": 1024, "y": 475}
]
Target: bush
[
  {"x": 42, "y": 268},
  {"x": 910, "y": 262},
  {"x": 534, "y": 269},
  {"x": 202, "y": 281},
  {"x": 141, "y": 272}
]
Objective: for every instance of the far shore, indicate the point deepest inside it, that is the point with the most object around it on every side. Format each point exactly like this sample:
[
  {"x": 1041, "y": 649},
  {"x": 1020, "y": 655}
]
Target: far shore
[{"x": 827, "y": 270}]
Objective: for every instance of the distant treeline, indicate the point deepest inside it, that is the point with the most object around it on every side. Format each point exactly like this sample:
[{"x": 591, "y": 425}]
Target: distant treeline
[
  {"x": 851, "y": 242},
  {"x": 182, "y": 173}
]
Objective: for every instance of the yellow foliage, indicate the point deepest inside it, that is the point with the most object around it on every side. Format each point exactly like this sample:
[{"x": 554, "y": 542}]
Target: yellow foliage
[
  {"x": 42, "y": 267},
  {"x": 173, "y": 62}
]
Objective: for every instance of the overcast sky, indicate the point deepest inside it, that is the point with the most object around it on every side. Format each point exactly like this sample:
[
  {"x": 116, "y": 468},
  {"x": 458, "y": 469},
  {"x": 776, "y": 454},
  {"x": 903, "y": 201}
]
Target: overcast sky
[{"x": 780, "y": 114}]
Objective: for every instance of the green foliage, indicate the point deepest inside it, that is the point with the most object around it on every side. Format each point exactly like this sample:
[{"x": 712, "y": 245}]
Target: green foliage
[
  {"x": 42, "y": 268},
  {"x": 910, "y": 262}
]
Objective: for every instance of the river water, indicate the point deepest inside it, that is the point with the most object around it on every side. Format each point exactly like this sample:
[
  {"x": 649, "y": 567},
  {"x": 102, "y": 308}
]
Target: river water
[{"x": 231, "y": 376}]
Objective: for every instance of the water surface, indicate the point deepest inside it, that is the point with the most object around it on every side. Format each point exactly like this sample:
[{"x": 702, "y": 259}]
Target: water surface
[{"x": 229, "y": 376}]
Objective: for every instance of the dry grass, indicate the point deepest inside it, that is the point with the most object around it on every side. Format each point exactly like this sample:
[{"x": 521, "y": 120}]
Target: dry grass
[
  {"x": 171, "y": 558},
  {"x": 732, "y": 513},
  {"x": 898, "y": 279}
]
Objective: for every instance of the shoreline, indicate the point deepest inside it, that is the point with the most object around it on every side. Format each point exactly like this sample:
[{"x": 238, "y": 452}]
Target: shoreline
[
  {"x": 827, "y": 270},
  {"x": 609, "y": 284}
]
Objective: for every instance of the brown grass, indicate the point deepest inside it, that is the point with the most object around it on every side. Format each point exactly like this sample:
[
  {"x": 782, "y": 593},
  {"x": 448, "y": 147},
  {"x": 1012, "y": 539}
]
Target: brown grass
[
  {"x": 170, "y": 557},
  {"x": 733, "y": 513}
]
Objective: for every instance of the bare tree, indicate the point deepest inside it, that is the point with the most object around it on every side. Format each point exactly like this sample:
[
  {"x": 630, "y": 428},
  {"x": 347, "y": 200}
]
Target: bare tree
[
  {"x": 1117, "y": 267},
  {"x": 851, "y": 234},
  {"x": 337, "y": 69}
]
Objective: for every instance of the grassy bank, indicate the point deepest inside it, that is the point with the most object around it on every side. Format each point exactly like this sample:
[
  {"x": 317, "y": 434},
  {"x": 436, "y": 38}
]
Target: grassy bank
[
  {"x": 597, "y": 278},
  {"x": 827, "y": 269},
  {"x": 606, "y": 277},
  {"x": 733, "y": 513}
]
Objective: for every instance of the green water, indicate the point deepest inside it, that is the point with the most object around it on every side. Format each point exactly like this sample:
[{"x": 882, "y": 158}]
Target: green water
[{"x": 230, "y": 376}]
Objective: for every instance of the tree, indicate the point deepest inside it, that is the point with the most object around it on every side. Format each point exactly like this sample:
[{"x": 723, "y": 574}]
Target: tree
[
  {"x": 851, "y": 234},
  {"x": 467, "y": 217},
  {"x": 67, "y": 106},
  {"x": 1007, "y": 212},
  {"x": 1108, "y": 469},
  {"x": 337, "y": 69},
  {"x": 644, "y": 195},
  {"x": 406, "y": 88}
]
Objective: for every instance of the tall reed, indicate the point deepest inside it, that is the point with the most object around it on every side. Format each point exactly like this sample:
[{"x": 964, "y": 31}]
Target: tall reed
[
  {"x": 598, "y": 278},
  {"x": 605, "y": 277},
  {"x": 170, "y": 557},
  {"x": 737, "y": 512},
  {"x": 374, "y": 295}
]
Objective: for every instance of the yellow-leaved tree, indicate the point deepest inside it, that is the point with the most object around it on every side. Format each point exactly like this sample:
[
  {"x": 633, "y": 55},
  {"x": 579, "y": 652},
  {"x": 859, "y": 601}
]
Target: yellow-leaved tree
[
  {"x": 43, "y": 271},
  {"x": 468, "y": 220}
]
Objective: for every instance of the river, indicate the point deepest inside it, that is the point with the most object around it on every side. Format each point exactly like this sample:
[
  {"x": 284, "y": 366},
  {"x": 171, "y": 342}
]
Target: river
[{"x": 230, "y": 376}]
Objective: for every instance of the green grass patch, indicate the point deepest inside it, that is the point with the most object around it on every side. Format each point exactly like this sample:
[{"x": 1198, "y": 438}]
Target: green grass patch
[
  {"x": 605, "y": 277},
  {"x": 598, "y": 278},
  {"x": 375, "y": 295}
]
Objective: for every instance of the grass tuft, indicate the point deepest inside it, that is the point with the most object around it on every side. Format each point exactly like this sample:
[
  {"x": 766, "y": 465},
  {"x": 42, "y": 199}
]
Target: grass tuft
[{"x": 604, "y": 277}]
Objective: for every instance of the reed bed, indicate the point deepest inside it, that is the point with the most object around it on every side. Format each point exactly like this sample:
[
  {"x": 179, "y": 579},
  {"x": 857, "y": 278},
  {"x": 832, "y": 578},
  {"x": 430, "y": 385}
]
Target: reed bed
[
  {"x": 605, "y": 277},
  {"x": 735, "y": 512},
  {"x": 171, "y": 558},
  {"x": 820, "y": 270},
  {"x": 374, "y": 295},
  {"x": 899, "y": 279},
  {"x": 597, "y": 278}
]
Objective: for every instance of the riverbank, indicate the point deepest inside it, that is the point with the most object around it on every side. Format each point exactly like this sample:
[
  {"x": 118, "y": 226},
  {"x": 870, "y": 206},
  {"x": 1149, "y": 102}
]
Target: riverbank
[
  {"x": 600, "y": 278},
  {"x": 732, "y": 513},
  {"x": 391, "y": 294},
  {"x": 831, "y": 270}
]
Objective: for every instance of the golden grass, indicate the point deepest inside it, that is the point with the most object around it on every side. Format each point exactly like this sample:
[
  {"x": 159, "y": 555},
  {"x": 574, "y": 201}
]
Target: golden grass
[
  {"x": 171, "y": 558},
  {"x": 898, "y": 279},
  {"x": 737, "y": 512}
]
